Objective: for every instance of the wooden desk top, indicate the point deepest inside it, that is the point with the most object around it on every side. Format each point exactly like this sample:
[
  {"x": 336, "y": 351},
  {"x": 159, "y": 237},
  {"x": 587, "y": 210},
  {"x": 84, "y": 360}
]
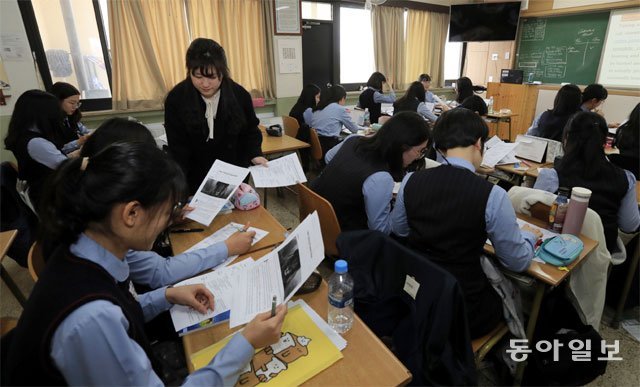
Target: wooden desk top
[
  {"x": 367, "y": 361},
  {"x": 259, "y": 218},
  {"x": 501, "y": 115},
  {"x": 509, "y": 168},
  {"x": 544, "y": 272},
  {"x": 533, "y": 172},
  {"x": 271, "y": 144},
  {"x": 6, "y": 239}
]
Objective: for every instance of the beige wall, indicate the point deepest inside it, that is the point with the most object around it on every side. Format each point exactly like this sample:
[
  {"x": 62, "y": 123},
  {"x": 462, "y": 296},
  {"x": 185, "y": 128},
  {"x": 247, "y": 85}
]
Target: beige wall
[{"x": 485, "y": 60}]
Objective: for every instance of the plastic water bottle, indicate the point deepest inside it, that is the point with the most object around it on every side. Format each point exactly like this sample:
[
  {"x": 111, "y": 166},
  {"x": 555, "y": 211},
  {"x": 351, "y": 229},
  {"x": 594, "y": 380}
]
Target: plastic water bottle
[
  {"x": 340, "y": 298},
  {"x": 490, "y": 106},
  {"x": 559, "y": 210},
  {"x": 366, "y": 117}
]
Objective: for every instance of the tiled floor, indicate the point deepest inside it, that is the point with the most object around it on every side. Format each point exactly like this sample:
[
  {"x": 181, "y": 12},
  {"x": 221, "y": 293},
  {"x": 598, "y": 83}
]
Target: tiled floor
[{"x": 285, "y": 209}]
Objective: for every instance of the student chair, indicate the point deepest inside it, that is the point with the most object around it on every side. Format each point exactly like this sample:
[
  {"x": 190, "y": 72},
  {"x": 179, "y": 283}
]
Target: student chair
[
  {"x": 291, "y": 126},
  {"x": 309, "y": 201},
  {"x": 316, "y": 148},
  {"x": 482, "y": 345},
  {"x": 7, "y": 324},
  {"x": 35, "y": 260}
]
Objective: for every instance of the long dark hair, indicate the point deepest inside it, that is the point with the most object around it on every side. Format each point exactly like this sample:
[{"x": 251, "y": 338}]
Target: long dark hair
[
  {"x": 475, "y": 103},
  {"x": 330, "y": 95},
  {"x": 62, "y": 91},
  {"x": 401, "y": 132},
  {"x": 459, "y": 128},
  {"x": 208, "y": 57},
  {"x": 583, "y": 142},
  {"x": 466, "y": 89},
  {"x": 628, "y": 133},
  {"x": 376, "y": 80},
  {"x": 39, "y": 110},
  {"x": 567, "y": 100},
  {"x": 116, "y": 130},
  {"x": 120, "y": 173},
  {"x": 415, "y": 90},
  {"x": 307, "y": 98}
]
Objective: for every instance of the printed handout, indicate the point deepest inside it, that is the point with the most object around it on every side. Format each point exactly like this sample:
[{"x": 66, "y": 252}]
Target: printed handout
[
  {"x": 530, "y": 148},
  {"x": 281, "y": 172},
  {"x": 223, "y": 234},
  {"x": 498, "y": 152},
  {"x": 220, "y": 283},
  {"x": 214, "y": 191},
  {"x": 279, "y": 273}
]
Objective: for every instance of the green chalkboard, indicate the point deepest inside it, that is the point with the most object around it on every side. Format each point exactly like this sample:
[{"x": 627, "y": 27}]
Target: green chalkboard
[{"x": 562, "y": 49}]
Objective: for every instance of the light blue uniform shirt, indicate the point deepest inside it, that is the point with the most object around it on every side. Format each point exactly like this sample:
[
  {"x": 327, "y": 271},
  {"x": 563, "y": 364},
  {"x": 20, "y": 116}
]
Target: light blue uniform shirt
[
  {"x": 533, "y": 129},
  {"x": 378, "y": 192},
  {"x": 628, "y": 213},
  {"x": 378, "y": 97},
  {"x": 151, "y": 269},
  {"x": 328, "y": 121},
  {"x": 91, "y": 345},
  {"x": 514, "y": 247},
  {"x": 45, "y": 152},
  {"x": 73, "y": 145}
]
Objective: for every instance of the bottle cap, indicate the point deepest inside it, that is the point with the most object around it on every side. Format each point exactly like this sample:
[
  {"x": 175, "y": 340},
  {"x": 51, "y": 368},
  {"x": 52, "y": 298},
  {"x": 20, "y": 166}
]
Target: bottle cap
[
  {"x": 340, "y": 266},
  {"x": 580, "y": 192}
]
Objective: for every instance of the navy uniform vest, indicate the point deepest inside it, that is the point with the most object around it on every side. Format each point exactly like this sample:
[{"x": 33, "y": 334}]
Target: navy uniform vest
[
  {"x": 66, "y": 283},
  {"x": 341, "y": 184},
  {"x": 366, "y": 102},
  {"x": 607, "y": 191},
  {"x": 29, "y": 169},
  {"x": 405, "y": 105},
  {"x": 552, "y": 126},
  {"x": 445, "y": 209}
]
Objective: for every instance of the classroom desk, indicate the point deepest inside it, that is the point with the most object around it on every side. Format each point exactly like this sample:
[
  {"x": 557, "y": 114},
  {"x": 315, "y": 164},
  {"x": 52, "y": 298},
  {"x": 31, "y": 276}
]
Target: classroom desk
[
  {"x": 366, "y": 361},
  {"x": 259, "y": 218},
  {"x": 284, "y": 144},
  {"x": 6, "y": 239},
  {"x": 544, "y": 275},
  {"x": 534, "y": 172},
  {"x": 496, "y": 118}
]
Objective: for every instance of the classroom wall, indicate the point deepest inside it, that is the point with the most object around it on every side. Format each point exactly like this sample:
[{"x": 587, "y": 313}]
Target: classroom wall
[{"x": 21, "y": 73}]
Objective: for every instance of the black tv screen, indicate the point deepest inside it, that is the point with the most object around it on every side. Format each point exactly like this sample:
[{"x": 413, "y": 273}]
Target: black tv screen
[{"x": 484, "y": 22}]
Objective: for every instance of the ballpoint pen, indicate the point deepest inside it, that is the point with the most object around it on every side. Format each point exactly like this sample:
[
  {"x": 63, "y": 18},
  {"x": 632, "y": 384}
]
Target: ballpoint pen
[{"x": 273, "y": 306}]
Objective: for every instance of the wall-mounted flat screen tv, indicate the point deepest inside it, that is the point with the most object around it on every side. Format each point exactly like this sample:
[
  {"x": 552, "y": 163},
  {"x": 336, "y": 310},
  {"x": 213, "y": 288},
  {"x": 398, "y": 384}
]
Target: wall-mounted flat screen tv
[{"x": 484, "y": 22}]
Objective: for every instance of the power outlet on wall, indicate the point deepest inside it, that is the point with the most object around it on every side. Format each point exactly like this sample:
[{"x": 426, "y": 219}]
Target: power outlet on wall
[
  {"x": 506, "y": 55},
  {"x": 494, "y": 56}
]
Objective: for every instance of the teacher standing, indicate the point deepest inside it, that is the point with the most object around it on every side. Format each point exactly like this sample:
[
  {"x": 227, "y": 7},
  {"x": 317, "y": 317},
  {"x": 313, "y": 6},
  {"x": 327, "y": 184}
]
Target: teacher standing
[{"x": 208, "y": 116}]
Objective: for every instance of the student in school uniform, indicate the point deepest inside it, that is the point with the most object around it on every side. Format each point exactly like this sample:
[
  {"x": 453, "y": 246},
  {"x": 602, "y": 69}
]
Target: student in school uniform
[
  {"x": 82, "y": 325},
  {"x": 550, "y": 124},
  {"x": 359, "y": 177},
  {"x": 413, "y": 101},
  {"x": 69, "y": 97},
  {"x": 464, "y": 89},
  {"x": 372, "y": 97},
  {"x": 329, "y": 116},
  {"x": 447, "y": 213},
  {"x": 425, "y": 80},
  {"x": 307, "y": 101},
  {"x": 147, "y": 267},
  {"x": 36, "y": 139},
  {"x": 593, "y": 96},
  {"x": 628, "y": 134},
  {"x": 208, "y": 116},
  {"x": 584, "y": 164}
]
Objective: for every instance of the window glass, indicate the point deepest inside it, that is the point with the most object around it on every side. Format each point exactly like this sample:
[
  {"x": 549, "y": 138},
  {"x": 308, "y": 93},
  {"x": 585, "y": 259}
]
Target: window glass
[
  {"x": 356, "y": 45},
  {"x": 316, "y": 11},
  {"x": 72, "y": 45},
  {"x": 452, "y": 59}
]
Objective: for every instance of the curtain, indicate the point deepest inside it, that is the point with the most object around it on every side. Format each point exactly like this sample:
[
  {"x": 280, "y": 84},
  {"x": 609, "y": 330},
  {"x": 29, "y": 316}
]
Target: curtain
[
  {"x": 239, "y": 27},
  {"x": 388, "y": 43},
  {"x": 426, "y": 38},
  {"x": 147, "y": 57},
  {"x": 269, "y": 66}
]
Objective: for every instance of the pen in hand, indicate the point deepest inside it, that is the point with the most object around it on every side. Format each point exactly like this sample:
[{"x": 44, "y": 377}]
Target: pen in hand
[{"x": 273, "y": 306}]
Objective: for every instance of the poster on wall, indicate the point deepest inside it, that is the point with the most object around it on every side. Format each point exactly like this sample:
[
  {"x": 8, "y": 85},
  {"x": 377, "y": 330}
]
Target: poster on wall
[
  {"x": 13, "y": 47},
  {"x": 289, "y": 57},
  {"x": 287, "y": 17}
]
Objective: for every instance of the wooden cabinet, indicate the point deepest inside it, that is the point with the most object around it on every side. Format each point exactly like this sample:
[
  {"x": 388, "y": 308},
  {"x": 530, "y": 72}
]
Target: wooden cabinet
[{"x": 521, "y": 99}]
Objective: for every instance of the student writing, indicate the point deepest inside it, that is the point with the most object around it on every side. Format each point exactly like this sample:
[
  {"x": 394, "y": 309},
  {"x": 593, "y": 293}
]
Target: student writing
[{"x": 372, "y": 97}]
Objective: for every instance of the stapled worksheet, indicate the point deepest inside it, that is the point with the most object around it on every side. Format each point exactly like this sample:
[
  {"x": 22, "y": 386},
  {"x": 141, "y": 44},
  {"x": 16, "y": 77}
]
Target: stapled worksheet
[
  {"x": 223, "y": 234},
  {"x": 498, "y": 152},
  {"x": 281, "y": 172},
  {"x": 280, "y": 273},
  {"x": 221, "y": 182}
]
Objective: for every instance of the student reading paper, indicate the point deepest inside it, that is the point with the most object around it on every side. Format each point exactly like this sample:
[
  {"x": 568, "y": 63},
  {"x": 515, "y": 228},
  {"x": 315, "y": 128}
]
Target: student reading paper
[{"x": 81, "y": 324}]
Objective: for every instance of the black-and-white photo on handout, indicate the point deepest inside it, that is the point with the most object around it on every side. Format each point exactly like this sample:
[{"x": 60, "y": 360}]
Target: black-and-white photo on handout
[{"x": 289, "y": 257}]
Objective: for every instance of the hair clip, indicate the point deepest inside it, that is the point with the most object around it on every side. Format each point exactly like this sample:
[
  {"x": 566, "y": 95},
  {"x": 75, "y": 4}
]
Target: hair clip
[
  {"x": 85, "y": 162},
  {"x": 206, "y": 54}
]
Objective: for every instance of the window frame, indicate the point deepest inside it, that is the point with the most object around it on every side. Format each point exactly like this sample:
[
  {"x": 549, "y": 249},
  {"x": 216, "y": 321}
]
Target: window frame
[
  {"x": 336, "y": 46},
  {"x": 37, "y": 51}
]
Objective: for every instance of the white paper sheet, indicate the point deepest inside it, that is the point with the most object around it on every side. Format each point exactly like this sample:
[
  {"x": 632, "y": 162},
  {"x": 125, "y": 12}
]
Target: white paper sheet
[
  {"x": 220, "y": 283},
  {"x": 223, "y": 234},
  {"x": 530, "y": 148},
  {"x": 281, "y": 172},
  {"x": 221, "y": 182},
  {"x": 498, "y": 151},
  {"x": 279, "y": 273}
]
